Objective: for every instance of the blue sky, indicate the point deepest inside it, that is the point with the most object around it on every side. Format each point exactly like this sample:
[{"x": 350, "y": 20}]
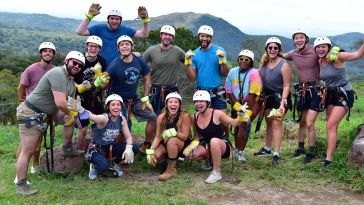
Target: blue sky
[{"x": 279, "y": 17}]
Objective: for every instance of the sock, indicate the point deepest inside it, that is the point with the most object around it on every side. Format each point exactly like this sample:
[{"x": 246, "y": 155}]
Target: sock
[
  {"x": 311, "y": 149},
  {"x": 276, "y": 154},
  {"x": 301, "y": 145}
]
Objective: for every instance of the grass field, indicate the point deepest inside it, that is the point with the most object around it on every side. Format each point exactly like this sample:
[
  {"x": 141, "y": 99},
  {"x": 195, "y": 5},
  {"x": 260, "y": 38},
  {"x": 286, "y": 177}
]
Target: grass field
[{"x": 255, "y": 182}]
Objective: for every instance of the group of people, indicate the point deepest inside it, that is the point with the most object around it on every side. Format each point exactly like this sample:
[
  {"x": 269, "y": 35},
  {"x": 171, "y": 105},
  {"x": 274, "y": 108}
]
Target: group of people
[{"x": 101, "y": 86}]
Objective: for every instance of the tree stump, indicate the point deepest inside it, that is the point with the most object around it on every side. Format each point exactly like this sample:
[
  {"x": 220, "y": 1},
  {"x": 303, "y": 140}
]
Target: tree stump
[{"x": 356, "y": 151}]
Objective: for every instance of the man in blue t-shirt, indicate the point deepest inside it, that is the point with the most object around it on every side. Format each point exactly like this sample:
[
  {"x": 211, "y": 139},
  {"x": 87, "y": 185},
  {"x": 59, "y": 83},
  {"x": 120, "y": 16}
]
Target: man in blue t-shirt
[
  {"x": 125, "y": 72},
  {"x": 110, "y": 32}
]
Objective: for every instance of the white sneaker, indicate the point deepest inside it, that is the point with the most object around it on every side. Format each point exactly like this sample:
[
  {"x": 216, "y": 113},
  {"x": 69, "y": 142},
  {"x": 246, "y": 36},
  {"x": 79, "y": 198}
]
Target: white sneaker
[
  {"x": 34, "y": 169},
  {"x": 214, "y": 177},
  {"x": 117, "y": 168},
  {"x": 16, "y": 180},
  {"x": 92, "y": 174},
  {"x": 241, "y": 157}
]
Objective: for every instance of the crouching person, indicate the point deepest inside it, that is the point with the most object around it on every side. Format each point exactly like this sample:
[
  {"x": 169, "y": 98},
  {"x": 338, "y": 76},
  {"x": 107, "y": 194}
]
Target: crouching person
[
  {"x": 173, "y": 128},
  {"x": 213, "y": 142},
  {"x": 105, "y": 154}
]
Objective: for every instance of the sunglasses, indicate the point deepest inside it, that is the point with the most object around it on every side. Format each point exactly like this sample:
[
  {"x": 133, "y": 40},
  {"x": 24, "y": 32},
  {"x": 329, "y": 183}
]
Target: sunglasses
[
  {"x": 273, "y": 48},
  {"x": 76, "y": 64},
  {"x": 244, "y": 59}
]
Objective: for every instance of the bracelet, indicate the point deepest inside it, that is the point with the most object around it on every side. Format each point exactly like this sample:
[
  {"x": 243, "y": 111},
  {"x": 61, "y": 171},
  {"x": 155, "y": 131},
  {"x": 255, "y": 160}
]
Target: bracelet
[
  {"x": 89, "y": 16},
  {"x": 146, "y": 20}
]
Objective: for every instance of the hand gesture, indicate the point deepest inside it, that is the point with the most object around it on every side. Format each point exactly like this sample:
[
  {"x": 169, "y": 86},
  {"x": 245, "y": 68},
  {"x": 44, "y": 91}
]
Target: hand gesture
[
  {"x": 94, "y": 9},
  {"x": 142, "y": 12}
]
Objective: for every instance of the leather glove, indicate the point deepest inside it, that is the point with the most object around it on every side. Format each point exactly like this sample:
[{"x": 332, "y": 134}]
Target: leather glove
[
  {"x": 221, "y": 55},
  {"x": 172, "y": 132},
  {"x": 150, "y": 157},
  {"x": 276, "y": 114},
  {"x": 70, "y": 118},
  {"x": 264, "y": 59},
  {"x": 191, "y": 148},
  {"x": 188, "y": 57},
  {"x": 143, "y": 14},
  {"x": 244, "y": 116},
  {"x": 97, "y": 69},
  {"x": 240, "y": 108},
  {"x": 84, "y": 86},
  {"x": 75, "y": 105},
  {"x": 146, "y": 103},
  {"x": 333, "y": 55},
  {"x": 128, "y": 154},
  {"x": 103, "y": 79},
  {"x": 93, "y": 11}
]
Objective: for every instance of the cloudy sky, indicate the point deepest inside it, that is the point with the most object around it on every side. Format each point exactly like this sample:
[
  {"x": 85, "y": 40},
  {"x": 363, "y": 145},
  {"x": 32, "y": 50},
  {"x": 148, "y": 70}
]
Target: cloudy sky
[{"x": 317, "y": 17}]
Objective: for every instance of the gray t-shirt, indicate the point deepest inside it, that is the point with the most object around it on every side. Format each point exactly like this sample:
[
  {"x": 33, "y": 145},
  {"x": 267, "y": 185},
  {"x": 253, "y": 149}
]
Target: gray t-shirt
[
  {"x": 56, "y": 79},
  {"x": 335, "y": 77},
  {"x": 272, "y": 77},
  {"x": 164, "y": 64}
]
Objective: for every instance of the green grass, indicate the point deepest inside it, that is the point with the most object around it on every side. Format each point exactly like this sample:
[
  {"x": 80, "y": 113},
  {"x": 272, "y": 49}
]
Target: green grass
[{"x": 140, "y": 185}]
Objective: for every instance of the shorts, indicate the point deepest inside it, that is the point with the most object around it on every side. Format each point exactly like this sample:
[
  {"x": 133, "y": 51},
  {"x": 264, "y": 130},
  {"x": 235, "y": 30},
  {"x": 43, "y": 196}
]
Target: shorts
[
  {"x": 158, "y": 95},
  {"x": 312, "y": 100},
  {"x": 23, "y": 112},
  {"x": 218, "y": 97},
  {"x": 227, "y": 143},
  {"x": 274, "y": 102},
  {"x": 218, "y": 103},
  {"x": 333, "y": 98}
]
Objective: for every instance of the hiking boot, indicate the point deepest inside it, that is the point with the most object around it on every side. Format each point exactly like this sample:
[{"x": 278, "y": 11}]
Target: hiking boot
[
  {"x": 309, "y": 157},
  {"x": 16, "y": 181},
  {"x": 69, "y": 150},
  {"x": 214, "y": 177},
  {"x": 92, "y": 174},
  {"x": 326, "y": 166},
  {"x": 118, "y": 170},
  {"x": 241, "y": 157},
  {"x": 298, "y": 152},
  {"x": 207, "y": 165},
  {"x": 170, "y": 171},
  {"x": 275, "y": 160},
  {"x": 263, "y": 153},
  {"x": 34, "y": 169},
  {"x": 144, "y": 147},
  {"x": 24, "y": 189}
]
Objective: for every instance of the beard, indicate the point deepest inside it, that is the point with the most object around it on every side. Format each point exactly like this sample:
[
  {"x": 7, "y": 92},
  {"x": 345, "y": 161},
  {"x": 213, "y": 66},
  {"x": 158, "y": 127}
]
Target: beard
[{"x": 205, "y": 44}]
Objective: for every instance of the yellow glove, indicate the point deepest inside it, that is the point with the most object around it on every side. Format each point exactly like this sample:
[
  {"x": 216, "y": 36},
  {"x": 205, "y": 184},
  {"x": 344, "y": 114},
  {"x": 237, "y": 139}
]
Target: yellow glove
[
  {"x": 333, "y": 55},
  {"x": 244, "y": 116},
  {"x": 70, "y": 118},
  {"x": 84, "y": 86},
  {"x": 93, "y": 11},
  {"x": 150, "y": 157},
  {"x": 276, "y": 114},
  {"x": 97, "y": 69},
  {"x": 264, "y": 59},
  {"x": 240, "y": 108},
  {"x": 143, "y": 14},
  {"x": 75, "y": 105},
  {"x": 172, "y": 132},
  {"x": 191, "y": 147},
  {"x": 221, "y": 55},
  {"x": 146, "y": 103},
  {"x": 188, "y": 57},
  {"x": 102, "y": 80}
]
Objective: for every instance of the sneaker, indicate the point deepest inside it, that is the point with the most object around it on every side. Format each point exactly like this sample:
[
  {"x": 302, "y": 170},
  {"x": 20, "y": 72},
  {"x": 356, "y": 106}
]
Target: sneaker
[
  {"x": 298, "y": 152},
  {"x": 92, "y": 174},
  {"x": 69, "y": 150},
  {"x": 16, "y": 181},
  {"x": 118, "y": 170},
  {"x": 326, "y": 166},
  {"x": 263, "y": 152},
  {"x": 207, "y": 165},
  {"x": 241, "y": 157},
  {"x": 214, "y": 177},
  {"x": 23, "y": 188},
  {"x": 309, "y": 157},
  {"x": 275, "y": 160},
  {"x": 34, "y": 169}
]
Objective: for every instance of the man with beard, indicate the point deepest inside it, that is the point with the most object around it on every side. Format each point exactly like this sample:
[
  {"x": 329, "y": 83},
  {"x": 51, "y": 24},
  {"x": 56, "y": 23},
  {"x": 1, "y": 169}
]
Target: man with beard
[
  {"x": 47, "y": 99},
  {"x": 92, "y": 99},
  {"x": 165, "y": 61},
  {"x": 113, "y": 30},
  {"x": 28, "y": 81}
]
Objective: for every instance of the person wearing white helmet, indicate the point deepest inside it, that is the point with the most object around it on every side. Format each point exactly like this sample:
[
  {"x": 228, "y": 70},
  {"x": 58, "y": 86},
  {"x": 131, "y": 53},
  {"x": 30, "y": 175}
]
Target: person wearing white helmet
[
  {"x": 125, "y": 73},
  {"x": 213, "y": 142},
  {"x": 243, "y": 86},
  {"x": 93, "y": 98},
  {"x": 165, "y": 61},
  {"x": 105, "y": 145},
  {"x": 276, "y": 76},
  {"x": 47, "y": 99},
  {"x": 307, "y": 105},
  {"x": 110, "y": 32},
  {"x": 171, "y": 137},
  {"x": 207, "y": 66},
  {"x": 28, "y": 81},
  {"x": 340, "y": 94}
]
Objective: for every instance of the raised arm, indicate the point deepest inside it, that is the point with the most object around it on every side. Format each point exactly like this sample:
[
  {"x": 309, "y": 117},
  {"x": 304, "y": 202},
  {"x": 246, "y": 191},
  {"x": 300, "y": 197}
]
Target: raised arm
[
  {"x": 346, "y": 56},
  {"x": 143, "y": 14},
  {"x": 93, "y": 11}
]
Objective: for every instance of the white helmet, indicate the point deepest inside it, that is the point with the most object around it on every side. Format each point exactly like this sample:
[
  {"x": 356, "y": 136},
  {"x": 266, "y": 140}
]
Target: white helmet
[
  {"x": 206, "y": 29},
  {"x": 113, "y": 97},
  {"x": 94, "y": 39},
  {"x": 47, "y": 45},
  {"x": 124, "y": 38},
  {"x": 322, "y": 40},
  {"x": 297, "y": 31},
  {"x": 273, "y": 40},
  {"x": 168, "y": 29},
  {"x": 202, "y": 95},
  {"x": 115, "y": 12},
  {"x": 173, "y": 95},
  {"x": 76, "y": 55},
  {"x": 247, "y": 53}
]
